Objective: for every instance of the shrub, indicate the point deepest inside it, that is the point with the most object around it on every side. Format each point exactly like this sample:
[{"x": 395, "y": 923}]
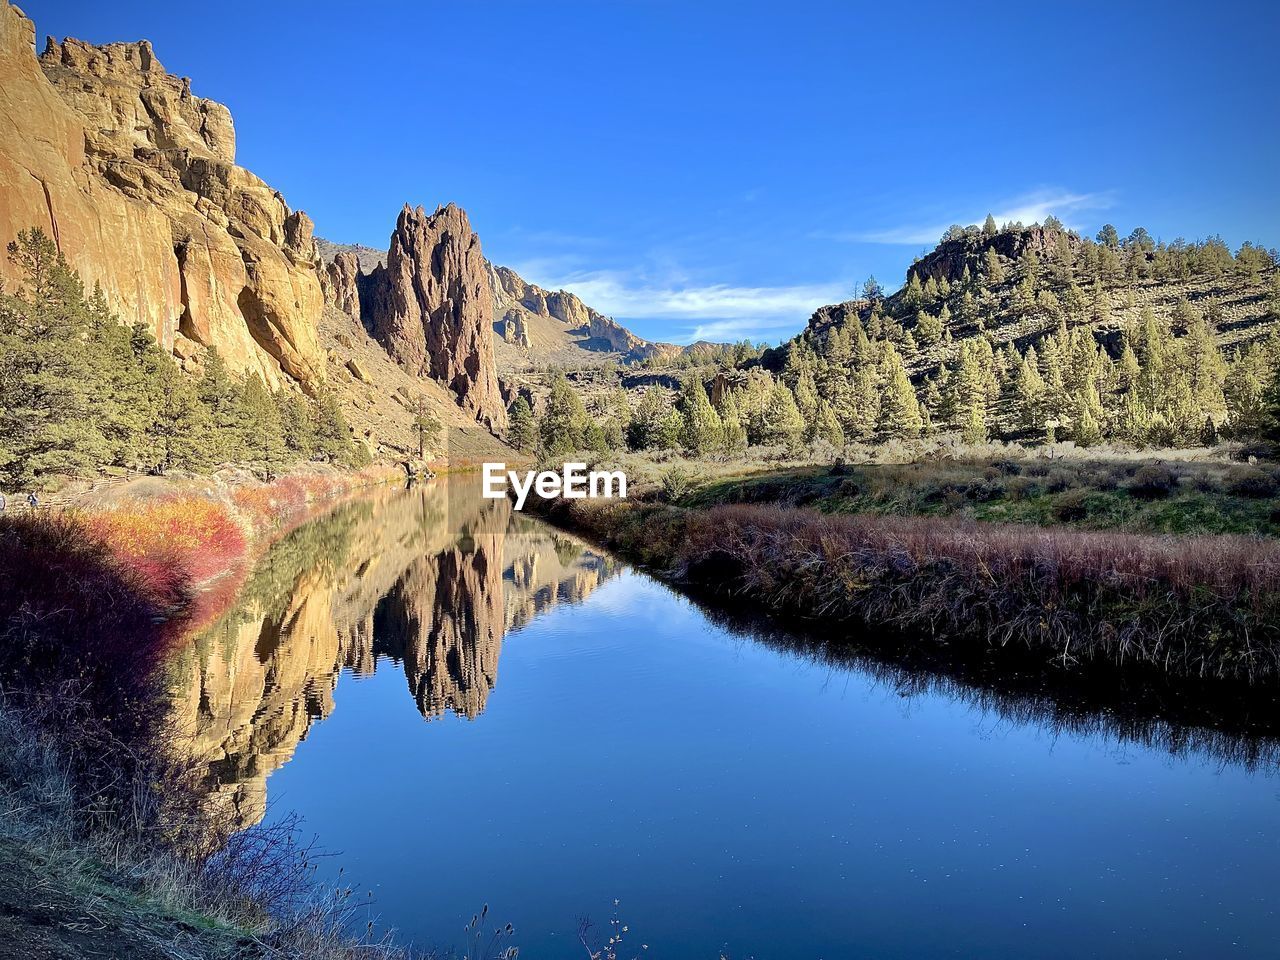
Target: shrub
[
  {"x": 1071, "y": 506},
  {"x": 1021, "y": 488},
  {"x": 1251, "y": 482},
  {"x": 196, "y": 533},
  {"x": 677, "y": 482},
  {"x": 1152, "y": 482},
  {"x": 1059, "y": 480}
]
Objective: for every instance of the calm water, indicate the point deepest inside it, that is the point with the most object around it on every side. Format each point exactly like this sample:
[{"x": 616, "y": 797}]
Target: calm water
[{"x": 477, "y": 709}]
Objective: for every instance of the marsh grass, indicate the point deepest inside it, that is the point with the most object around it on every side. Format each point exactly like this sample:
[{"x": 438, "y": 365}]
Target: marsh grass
[
  {"x": 1169, "y": 497},
  {"x": 1193, "y": 606}
]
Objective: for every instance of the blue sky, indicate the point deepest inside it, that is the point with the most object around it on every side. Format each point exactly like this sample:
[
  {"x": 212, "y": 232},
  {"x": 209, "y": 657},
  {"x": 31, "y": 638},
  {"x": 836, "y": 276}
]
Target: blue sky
[{"x": 720, "y": 169}]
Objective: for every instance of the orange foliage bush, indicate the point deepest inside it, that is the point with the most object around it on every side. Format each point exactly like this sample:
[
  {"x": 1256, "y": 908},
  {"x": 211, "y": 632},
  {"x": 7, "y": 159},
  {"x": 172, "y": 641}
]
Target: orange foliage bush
[{"x": 199, "y": 535}]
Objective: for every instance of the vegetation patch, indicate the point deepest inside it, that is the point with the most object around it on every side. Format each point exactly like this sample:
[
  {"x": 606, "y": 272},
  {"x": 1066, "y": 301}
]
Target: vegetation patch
[{"x": 1193, "y": 607}]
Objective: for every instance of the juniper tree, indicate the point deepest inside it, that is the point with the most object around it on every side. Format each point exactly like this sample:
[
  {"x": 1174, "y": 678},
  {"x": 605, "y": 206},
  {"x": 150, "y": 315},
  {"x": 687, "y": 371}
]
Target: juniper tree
[
  {"x": 899, "y": 408},
  {"x": 564, "y": 420},
  {"x": 701, "y": 431}
]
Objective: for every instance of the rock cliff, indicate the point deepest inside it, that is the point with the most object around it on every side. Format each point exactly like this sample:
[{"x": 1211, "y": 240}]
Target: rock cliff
[
  {"x": 430, "y": 306},
  {"x": 540, "y": 326},
  {"x": 135, "y": 179}
]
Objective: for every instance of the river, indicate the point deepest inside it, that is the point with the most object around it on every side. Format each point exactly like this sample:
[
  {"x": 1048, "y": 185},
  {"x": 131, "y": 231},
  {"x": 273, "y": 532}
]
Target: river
[{"x": 471, "y": 707}]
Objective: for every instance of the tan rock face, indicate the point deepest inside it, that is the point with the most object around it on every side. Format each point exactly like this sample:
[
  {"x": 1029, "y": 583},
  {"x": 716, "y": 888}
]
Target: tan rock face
[
  {"x": 553, "y": 324},
  {"x": 134, "y": 178},
  {"x": 430, "y": 306},
  {"x": 339, "y": 282}
]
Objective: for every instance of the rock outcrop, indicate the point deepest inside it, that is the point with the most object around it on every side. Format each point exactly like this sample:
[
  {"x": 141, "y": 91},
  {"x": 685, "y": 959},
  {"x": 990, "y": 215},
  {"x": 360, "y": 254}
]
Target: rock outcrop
[
  {"x": 517, "y": 303},
  {"x": 338, "y": 281},
  {"x": 949, "y": 259},
  {"x": 431, "y": 308},
  {"x": 134, "y": 177}
]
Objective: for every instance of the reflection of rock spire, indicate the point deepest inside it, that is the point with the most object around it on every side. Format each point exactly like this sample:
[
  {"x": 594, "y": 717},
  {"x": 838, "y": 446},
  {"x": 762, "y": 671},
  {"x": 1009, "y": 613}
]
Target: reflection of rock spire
[
  {"x": 443, "y": 619},
  {"x": 398, "y": 575}
]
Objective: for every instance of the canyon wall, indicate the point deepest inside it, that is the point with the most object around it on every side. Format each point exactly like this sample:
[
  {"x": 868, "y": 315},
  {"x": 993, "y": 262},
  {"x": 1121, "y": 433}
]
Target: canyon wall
[{"x": 134, "y": 177}]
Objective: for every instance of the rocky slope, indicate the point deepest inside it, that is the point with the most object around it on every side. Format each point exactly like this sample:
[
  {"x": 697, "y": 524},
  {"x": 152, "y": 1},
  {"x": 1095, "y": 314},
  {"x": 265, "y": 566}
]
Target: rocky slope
[
  {"x": 1238, "y": 305},
  {"x": 134, "y": 178},
  {"x": 533, "y": 325}
]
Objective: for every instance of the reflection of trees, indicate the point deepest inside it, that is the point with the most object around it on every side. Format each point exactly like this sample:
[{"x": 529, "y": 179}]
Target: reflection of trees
[
  {"x": 1227, "y": 723},
  {"x": 431, "y": 578}
]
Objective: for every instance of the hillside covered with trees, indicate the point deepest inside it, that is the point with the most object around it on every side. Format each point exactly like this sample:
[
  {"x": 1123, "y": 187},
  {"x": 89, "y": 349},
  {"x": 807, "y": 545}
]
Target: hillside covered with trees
[{"x": 1020, "y": 334}]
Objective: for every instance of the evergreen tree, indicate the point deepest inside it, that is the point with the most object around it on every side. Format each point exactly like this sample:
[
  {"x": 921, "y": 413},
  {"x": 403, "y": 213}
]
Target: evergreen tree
[
  {"x": 735, "y": 434},
  {"x": 782, "y": 421},
  {"x": 899, "y": 408},
  {"x": 521, "y": 429},
  {"x": 261, "y": 432},
  {"x": 701, "y": 430},
  {"x": 992, "y": 268},
  {"x": 47, "y": 424},
  {"x": 332, "y": 434},
  {"x": 1029, "y": 394},
  {"x": 928, "y": 328},
  {"x": 564, "y": 420},
  {"x": 426, "y": 426}
]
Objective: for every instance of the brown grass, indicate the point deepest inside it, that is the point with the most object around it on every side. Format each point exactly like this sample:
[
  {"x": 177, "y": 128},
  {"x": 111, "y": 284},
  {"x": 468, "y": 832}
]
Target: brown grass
[{"x": 1194, "y": 606}]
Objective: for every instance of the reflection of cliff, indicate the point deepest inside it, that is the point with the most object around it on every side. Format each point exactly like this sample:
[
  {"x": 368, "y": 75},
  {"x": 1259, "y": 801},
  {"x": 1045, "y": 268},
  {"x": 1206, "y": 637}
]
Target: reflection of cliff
[{"x": 429, "y": 578}]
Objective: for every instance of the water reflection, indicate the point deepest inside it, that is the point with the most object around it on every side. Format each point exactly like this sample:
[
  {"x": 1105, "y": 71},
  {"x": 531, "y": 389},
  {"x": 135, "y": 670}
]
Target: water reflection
[
  {"x": 1231, "y": 724},
  {"x": 431, "y": 579}
]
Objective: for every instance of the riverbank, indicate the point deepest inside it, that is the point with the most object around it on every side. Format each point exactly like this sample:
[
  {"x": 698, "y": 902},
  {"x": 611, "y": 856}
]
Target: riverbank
[
  {"x": 95, "y": 797},
  {"x": 1200, "y": 607}
]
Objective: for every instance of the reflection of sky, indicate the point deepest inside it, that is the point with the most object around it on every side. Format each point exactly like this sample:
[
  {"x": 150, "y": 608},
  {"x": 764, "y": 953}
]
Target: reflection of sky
[{"x": 730, "y": 794}]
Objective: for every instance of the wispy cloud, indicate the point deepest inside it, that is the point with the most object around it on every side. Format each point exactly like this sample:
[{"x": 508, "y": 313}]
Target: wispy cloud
[
  {"x": 710, "y": 311},
  {"x": 1028, "y": 208}
]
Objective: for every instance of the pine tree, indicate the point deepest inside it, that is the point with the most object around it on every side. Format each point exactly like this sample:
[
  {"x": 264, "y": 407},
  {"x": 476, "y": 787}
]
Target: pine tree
[
  {"x": 827, "y": 427},
  {"x": 701, "y": 431},
  {"x": 426, "y": 426},
  {"x": 333, "y": 436},
  {"x": 1029, "y": 394},
  {"x": 971, "y": 394},
  {"x": 989, "y": 226},
  {"x": 735, "y": 434},
  {"x": 899, "y": 408},
  {"x": 992, "y": 268},
  {"x": 564, "y": 420},
  {"x": 642, "y": 431},
  {"x": 47, "y": 424},
  {"x": 928, "y": 328},
  {"x": 782, "y": 421},
  {"x": 521, "y": 429},
  {"x": 261, "y": 432}
]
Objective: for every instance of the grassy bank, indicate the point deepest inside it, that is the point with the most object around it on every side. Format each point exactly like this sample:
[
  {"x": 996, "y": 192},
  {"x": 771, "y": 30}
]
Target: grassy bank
[
  {"x": 1133, "y": 495},
  {"x": 1202, "y": 607},
  {"x": 97, "y": 807}
]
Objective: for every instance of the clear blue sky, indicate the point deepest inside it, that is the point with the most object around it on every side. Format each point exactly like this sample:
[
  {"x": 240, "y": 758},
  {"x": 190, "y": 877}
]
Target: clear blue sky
[{"x": 720, "y": 169}]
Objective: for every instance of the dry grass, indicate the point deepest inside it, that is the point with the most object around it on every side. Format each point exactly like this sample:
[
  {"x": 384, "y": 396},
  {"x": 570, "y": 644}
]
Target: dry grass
[{"x": 1196, "y": 606}]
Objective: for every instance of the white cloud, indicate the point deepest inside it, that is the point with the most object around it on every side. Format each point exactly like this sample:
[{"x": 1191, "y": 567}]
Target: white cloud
[
  {"x": 1028, "y": 208},
  {"x": 720, "y": 310}
]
